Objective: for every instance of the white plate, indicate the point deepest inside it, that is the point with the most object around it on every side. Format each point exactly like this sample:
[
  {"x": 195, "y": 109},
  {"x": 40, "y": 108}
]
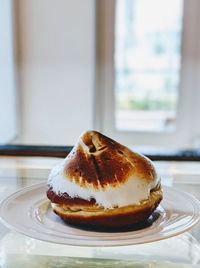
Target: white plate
[{"x": 28, "y": 211}]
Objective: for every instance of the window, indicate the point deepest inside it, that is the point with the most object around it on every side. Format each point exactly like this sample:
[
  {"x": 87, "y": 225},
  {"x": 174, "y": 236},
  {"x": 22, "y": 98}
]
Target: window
[
  {"x": 147, "y": 64},
  {"x": 147, "y": 74}
]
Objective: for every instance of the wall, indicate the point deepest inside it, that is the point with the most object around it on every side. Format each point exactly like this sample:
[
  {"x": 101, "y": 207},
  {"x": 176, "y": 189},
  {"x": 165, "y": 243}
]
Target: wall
[{"x": 56, "y": 69}]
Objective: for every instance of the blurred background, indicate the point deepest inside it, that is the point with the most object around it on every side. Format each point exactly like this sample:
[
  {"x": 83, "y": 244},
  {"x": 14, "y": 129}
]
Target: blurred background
[{"x": 128, "y": 68}]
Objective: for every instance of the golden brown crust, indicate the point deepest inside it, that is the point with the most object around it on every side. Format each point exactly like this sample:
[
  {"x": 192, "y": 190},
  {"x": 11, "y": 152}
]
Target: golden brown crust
[
  {"x": 99, "y": 160},
  {"x": 95, "y": 217}
]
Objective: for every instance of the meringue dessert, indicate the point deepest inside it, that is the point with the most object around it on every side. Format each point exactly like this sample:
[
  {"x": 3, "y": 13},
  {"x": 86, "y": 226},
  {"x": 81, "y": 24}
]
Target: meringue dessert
[{"x": 102, "y": 183}]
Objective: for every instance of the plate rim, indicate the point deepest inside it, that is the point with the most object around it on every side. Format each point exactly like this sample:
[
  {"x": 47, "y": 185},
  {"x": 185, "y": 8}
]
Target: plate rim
[{"x": 104, "y": 243}]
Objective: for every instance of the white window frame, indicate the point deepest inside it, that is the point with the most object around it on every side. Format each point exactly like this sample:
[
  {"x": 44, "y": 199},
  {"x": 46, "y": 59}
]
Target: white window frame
[
  {"x": 8, "y": 96},
  {"x": 187, "y": 133}
]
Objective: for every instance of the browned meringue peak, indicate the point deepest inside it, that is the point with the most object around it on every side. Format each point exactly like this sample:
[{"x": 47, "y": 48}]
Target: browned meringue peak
[{"x": 100, "y": 161}]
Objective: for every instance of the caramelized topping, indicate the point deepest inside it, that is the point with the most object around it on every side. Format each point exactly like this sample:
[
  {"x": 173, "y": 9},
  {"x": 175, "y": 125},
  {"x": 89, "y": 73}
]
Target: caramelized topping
[{"x": 99, "y": 160}]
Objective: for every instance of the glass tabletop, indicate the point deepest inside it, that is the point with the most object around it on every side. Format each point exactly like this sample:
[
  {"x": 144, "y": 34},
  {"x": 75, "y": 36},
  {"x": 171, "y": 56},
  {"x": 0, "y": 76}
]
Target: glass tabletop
[{"x": 17, "y": 250}]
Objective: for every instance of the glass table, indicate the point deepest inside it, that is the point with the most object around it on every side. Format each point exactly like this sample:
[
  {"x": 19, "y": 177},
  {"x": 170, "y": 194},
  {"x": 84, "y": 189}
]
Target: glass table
[{"x": 17, "y": 250}]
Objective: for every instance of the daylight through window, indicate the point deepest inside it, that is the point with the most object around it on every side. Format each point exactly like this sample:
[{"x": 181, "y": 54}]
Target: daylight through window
[{"x": 147, "y": 64}]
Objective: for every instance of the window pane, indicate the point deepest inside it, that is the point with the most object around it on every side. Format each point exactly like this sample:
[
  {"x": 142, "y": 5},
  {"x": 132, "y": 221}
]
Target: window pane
[{"x": 147, "y": 64}]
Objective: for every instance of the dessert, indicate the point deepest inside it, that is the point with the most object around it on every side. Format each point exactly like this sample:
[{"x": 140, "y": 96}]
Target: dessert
[{"x": 102, "y": 183}]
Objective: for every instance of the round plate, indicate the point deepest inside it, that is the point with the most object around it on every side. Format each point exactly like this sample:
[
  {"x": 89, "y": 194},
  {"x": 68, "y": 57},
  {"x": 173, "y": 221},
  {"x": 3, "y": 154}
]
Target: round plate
[{"x": 29, "y": 211}]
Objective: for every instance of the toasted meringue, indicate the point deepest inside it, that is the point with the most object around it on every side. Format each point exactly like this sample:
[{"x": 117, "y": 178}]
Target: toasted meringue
[{"x": 102, "y": 179}]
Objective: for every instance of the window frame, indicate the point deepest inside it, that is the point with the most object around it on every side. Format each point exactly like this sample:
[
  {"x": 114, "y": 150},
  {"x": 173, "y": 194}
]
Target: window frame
[
  {"x": 187, "y": 133},
  {"x": 8, "y": 83}
]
